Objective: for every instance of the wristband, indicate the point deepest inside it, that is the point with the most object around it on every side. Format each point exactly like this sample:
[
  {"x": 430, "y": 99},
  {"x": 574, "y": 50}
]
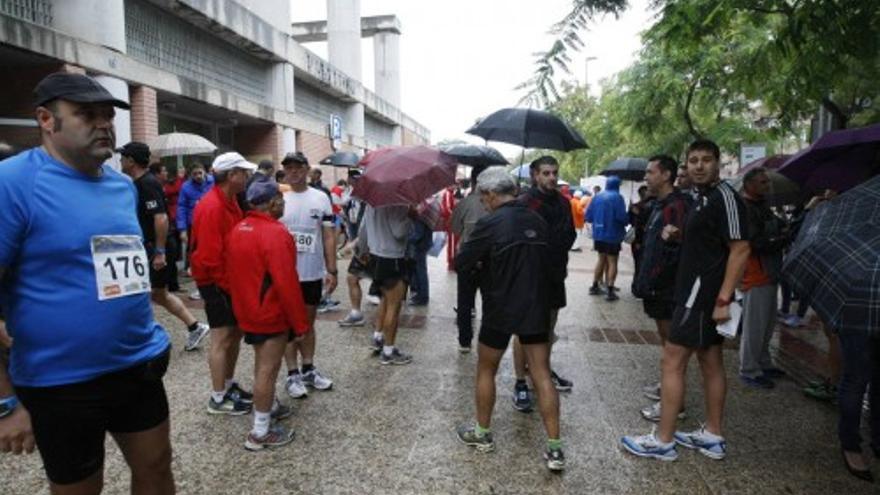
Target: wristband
[
  {"x": 8, "y": 405},
  {"x": 159, "y": 250},
  {"x": 333, "y": 272},
  {"x": 720, "y": 302}
]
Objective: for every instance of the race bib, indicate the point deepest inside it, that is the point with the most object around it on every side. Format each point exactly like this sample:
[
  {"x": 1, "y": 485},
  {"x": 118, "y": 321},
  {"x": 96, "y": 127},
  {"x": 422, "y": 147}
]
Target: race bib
[
  {"x": 305, "y": 241},
  {"x": 120, "y": 266}
]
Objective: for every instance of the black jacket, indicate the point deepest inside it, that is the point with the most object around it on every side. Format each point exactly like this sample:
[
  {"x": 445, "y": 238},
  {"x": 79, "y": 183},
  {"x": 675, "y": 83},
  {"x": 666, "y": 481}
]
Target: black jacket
[
  {"x": 556, "y": 211},
  {"x": 508, "y": 252}
]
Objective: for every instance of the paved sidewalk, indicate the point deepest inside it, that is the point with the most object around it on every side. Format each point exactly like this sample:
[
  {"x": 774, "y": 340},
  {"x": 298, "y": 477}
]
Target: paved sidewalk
[{"x": 391, "y": 429}]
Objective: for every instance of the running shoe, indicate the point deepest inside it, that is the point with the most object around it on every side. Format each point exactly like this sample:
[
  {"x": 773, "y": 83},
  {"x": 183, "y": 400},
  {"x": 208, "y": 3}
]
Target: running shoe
[
  {"x": 708, "y": 444},
  {"x": 760, "y": 381},
  {"x": 464, "y": 349},
  {"x": 652, "y": 391},
  {"x": 793, "y": 321},
  {"x": 277, "y": 436},
  {"x": 237, "y": 393},
  {"x": 774, "y": 373},
  {"x": 395, "y": 358},
  {"x": 522, "y": 398},
  {"x": 376, "y": 344},
  {"x": 194, "y": 295},
  {"x": 560, "y": 383},
  {"x": 611, "y": 296},
  {"x": 295, "y": 386},
  {"x": 467, "y": 434},
  {"x": 821, "y": 391},
  {"x": 280, "y": 411},
  {"x": 228, "y": 406},
  {"x": 352, "y": 320},
  {"x": 649, "y": 446},
  {"x": 555, "y": 459},
  {"x": 196, "y": 336},
  {"x": 374, "y": 300},
  {"x": 652, "y": 413},
  {"x": 313, "y": 378},
  {"x": 595, "y": 290}
]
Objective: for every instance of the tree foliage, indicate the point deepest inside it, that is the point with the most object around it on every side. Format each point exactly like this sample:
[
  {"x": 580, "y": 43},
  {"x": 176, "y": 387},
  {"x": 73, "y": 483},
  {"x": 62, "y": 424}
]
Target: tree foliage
[{"x": 732, "y": 70}]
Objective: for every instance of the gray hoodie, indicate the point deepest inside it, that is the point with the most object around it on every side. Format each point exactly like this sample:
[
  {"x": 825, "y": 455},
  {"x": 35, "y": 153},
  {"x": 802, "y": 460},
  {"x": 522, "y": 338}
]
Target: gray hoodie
[{"x": 387, "y": 229}]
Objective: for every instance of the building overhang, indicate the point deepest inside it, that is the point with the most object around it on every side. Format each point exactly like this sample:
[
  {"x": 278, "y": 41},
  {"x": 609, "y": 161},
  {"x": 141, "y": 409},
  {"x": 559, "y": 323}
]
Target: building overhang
[{"x": 314, "y": 31}]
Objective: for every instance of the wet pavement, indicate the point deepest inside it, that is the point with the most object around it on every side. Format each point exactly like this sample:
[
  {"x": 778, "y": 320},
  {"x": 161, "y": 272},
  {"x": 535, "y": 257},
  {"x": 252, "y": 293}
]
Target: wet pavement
[{"x": 391, "y": 429}]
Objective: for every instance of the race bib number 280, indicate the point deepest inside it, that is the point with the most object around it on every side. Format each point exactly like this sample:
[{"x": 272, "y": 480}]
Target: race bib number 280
[{"x": 120, "y": 266}]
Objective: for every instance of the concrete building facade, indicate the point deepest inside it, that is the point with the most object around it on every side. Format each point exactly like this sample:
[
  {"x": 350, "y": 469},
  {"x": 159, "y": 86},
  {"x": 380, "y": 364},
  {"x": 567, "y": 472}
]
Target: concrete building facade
[{"x": 233, "y": 71}]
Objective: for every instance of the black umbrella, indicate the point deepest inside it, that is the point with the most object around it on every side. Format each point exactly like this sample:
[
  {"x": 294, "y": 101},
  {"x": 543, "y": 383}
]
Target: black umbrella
[
  {"x": 627, "y": 169},
  {"x": 835, "y": 261},
  {"x": 529, "y": 128},
  {"x": 476, "y": 155},
  {"x": 341, "y": 159}
]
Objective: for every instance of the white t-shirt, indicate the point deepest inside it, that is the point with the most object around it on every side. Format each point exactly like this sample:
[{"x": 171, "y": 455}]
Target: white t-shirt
[{"x": 304, "y": 215}]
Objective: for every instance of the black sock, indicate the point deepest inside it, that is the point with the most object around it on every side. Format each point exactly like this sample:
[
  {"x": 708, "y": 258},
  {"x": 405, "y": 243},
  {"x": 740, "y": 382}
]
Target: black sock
[
  {"x": 292, "y": 372},
  {"x": 306, "y": 368},
  {"x": 520, "y": 383},
  {"x": 193, "y": 327}
]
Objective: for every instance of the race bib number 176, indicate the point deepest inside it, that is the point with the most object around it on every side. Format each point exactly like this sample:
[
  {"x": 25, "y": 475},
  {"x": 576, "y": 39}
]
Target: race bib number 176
[{"x": 120, "y": 266}]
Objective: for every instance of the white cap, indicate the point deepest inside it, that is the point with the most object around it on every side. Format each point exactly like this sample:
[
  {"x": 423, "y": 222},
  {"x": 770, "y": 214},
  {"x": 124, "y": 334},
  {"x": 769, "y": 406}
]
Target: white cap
[{"x": 231, "y": 160}]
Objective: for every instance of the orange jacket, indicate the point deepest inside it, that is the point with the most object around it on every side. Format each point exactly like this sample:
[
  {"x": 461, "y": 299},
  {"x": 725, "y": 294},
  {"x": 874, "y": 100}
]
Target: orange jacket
[
  {"x": 264, "y": 285},
  {"x": 577, "y": 213}
]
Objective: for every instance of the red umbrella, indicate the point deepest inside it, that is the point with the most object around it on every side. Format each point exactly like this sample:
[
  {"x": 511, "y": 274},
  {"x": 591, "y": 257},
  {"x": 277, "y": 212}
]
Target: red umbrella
[{"x": 404, "y": 175}]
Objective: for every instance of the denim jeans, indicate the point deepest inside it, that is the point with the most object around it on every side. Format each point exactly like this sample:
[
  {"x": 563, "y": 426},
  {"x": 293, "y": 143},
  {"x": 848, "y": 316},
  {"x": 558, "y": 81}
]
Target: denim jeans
[
  {"x": 420, "y": 286},
  {"x": 861, "y": 366},
  {"x": 466, "y": 292}
]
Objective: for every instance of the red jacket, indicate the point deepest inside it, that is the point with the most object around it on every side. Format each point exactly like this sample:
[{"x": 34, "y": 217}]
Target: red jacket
[
  {"x": 213, "y": 218},
  {"x": 264, "y": 285},
  {"x": 172, "y": 191}
]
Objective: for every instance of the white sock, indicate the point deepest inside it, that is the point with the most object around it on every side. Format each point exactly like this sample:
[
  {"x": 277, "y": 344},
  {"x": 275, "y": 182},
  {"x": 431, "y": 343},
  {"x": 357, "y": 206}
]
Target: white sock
[
  {"x": 355, "y": 313},
  {"x": 387, "y": 350},
  {"x": 229, "y": 382},
  {"x": 261, "y": 423},
  {"x": 378, "y": 335},
  {"x": 217, "y": 397}
]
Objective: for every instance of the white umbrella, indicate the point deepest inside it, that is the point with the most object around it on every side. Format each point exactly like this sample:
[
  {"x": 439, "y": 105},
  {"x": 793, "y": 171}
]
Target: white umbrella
[{"x": 180, "y": 143}]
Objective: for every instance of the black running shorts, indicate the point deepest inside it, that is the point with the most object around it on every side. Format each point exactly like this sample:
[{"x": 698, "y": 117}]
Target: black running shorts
[
  {"x": 694, "y": 328},
  {"x": 218, "y": 306},
  {"x": 498, "y": 340},
  {"x": 71, "y": 421}
]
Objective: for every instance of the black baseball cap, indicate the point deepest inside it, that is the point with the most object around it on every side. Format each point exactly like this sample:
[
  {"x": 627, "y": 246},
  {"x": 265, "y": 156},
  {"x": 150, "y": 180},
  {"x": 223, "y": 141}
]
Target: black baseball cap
[
  {"x": 139, "y": 152},
  {"x": 295, "y": 157},
  {"x": 266, "y": 165},
  {"x": 78, "y": 88}
]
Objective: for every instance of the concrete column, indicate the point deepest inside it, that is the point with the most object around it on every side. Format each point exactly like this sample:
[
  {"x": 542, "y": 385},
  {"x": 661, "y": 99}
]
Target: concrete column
[
  {"x": 288, "y": 141},
  {"x": 122, "y": 122},
  {"x": 281, "y": 89},
  {"x": 386, "y": 50},
  {"x": 344, "y": 50},
  {"x": 101, "y": 22}
]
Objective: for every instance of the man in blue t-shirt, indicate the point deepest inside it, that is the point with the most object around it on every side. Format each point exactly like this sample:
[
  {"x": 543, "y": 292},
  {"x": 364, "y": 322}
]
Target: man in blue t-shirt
[{"x": 87, "y": 357}]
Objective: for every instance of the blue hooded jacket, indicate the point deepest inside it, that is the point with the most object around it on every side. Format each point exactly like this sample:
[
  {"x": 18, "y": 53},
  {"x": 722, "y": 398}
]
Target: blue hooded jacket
[{"x": 607, "y": 213}]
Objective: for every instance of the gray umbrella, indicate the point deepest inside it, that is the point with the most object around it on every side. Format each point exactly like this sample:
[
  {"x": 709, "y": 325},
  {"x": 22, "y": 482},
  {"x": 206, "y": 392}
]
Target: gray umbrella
[
  {"x": 341, "y": 159},
  {"x": 475, "y": 155},
  {"x": 627, "y": 169}
]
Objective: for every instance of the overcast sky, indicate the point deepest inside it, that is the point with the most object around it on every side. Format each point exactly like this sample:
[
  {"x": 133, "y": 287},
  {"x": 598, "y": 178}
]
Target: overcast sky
[{"x": 461, "y": 59}]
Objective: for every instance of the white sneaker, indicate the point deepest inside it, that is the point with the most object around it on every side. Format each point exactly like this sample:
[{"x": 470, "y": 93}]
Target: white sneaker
[
  {"x": 194, "y": 295},
  {"x": 649, "y": 446},
  {"x": 652, "y": 391},
  {"x": 793, "y": 321},
  {"x": 313, "y": 378},
  {"x": 295, "y": 386},
  {"x": 652, "y": 413},
  {"x": 194, "y": 339},
  {"x": 374, "y": 300},
  {"x": 708, "y": 444}
]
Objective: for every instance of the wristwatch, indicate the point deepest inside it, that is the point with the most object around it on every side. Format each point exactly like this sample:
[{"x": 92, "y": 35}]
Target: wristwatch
[
  {"x": 720, "y": 302},
  {"x": 160, "y": 250},
  {"x": 8, "y": 405},
  {"x": 333, "y": 272}
]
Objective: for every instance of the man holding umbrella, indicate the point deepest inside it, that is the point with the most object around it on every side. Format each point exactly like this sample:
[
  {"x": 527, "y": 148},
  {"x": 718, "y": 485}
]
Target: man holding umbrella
[{"x": 546, "y": 200}]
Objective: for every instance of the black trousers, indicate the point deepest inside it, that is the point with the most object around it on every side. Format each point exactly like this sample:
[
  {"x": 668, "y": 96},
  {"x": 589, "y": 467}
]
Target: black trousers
[{"x": 466, "y": 294}]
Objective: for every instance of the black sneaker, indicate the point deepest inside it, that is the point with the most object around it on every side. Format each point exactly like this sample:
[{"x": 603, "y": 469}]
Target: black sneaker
[
  {"x": 555, "y": 460},
  {"x": 612, "y": 294},
  {"x": 595, "y": 290},
  {"x": 522, "y": 399},
  {"x": 238, "y": 394},
  {"x": 560, "y": 383},
  {"x": 229, "y": 407},
  {"x": 396, "y": 358}
]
